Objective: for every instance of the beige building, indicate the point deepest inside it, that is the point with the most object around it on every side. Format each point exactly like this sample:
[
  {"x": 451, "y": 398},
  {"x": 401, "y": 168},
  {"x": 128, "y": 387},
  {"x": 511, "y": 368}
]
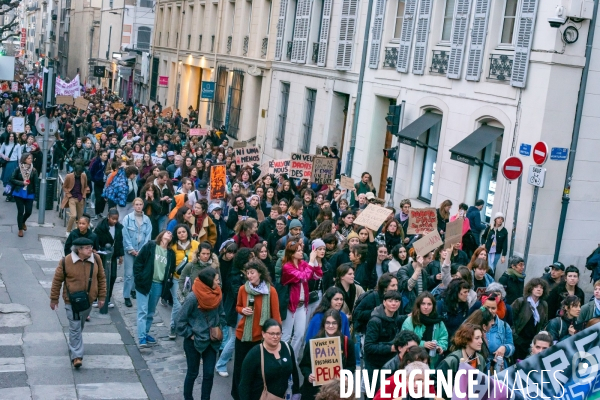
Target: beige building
[{"x": 87, "y": 15}]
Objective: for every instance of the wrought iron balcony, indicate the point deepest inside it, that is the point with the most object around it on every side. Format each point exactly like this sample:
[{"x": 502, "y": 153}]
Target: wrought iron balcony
[
  {"x": 391, "y": 57},
  {"x": 245, "y": 46},
  {"x": 439, "y": 62},
  {"x": 229, "y": 41},
  {"x": 288, "y": 53},
  {"x": 263, "y": 48},
  {"x": 315, "y": 53},
  {"x": 500, "y": 67}
]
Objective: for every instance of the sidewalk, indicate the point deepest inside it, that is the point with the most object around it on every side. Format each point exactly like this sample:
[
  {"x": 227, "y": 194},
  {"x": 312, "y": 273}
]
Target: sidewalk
[{"x": 34, "y": 358}]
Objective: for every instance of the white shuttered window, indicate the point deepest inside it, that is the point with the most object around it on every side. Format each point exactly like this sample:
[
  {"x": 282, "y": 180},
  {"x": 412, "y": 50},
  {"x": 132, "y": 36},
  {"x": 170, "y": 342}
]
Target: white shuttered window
[
  {"x": 377, "y": 32},
  {"x": 406, "y": 35},
  {"x": 478, "y": 35},
  {"x": 324, "y": 36},
  {"x": 280, "y": 29},
  {"x": 523, "y": 44},
  {"x": 460, "y": 28},
  {"x": 347, "y": 32},
  {"x": 301, "y": 31},
  {"x": 422, "y": 35}
]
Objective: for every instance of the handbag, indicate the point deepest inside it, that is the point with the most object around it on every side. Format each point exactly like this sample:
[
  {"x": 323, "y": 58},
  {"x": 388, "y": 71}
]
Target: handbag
[
  {"x": 313, "y": 296},
  {"x": 265, "y": 393},
  {"x": 3, "y": 162},
  {"x": 216, "y": 334},
  {"x": 79, "y": 300}
]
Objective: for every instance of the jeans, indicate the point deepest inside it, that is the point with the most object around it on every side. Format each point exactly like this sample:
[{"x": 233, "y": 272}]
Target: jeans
[
  {"x": 24, "y": 208},
  {"x": 162, "y": 222},
  {"x": 176, "y": 303},
  {"x": 193, "y": 356},
  {"x": 493, "y": 260},
  {"x": 227, "y": 352},
  {"x": 358, "y": 341},
  {"x": 128, "y": 282},
  {"x": 100, "y": 201},
  {"x": 146, "y": 306},
  {"x": 295, "y": 324},
  {"x": 75, "y": 211}
]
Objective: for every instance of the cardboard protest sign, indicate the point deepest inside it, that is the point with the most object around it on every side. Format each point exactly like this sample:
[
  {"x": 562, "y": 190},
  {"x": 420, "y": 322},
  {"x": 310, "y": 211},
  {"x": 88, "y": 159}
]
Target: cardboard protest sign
[
  {"x": 264, "y": 170},
  {"x": 279, "y": 167},
  {"x": 218, "y": 180},
  {"x": 326, "y": 359},
  {"x": 301, "y": 165},
  {"x": 372, "y": 217},
  {"x": 247, "y": 155},
  {"x": 138, "y": 156},
  {"x": 18, "y": 125},
  {"x": 238, "y": 145},
  {"x": 166, "y": 111},
  {"x": 81, "y": 103},
  {"x": 198, "y": 132},
  {"x": 324, "y": 170},
  {"x": 64, "y": 100},
  {"x": 421, "y": 220},
  {"x": 346, "y": 182},
  {"x": 428, "y": 243},
  {"x": 157, "y": 160},
  {"x": 453, "y": 232},
  {"x": 118, "y": 105}
]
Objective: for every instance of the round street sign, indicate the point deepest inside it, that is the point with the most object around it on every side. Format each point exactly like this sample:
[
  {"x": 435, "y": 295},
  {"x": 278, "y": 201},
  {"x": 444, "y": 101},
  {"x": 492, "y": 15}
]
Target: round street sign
[
  {"x": 540, "y": 153},
  {"x": 512, "y": 168}
]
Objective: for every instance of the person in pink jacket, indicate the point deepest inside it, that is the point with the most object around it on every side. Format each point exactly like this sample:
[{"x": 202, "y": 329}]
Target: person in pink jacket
[{"x": 296, "y": 273}]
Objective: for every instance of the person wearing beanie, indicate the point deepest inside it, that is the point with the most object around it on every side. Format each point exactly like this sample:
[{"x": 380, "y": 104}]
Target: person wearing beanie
[
  {"x": 495, "y": 238},
  {"x": 315, "y": 287}
]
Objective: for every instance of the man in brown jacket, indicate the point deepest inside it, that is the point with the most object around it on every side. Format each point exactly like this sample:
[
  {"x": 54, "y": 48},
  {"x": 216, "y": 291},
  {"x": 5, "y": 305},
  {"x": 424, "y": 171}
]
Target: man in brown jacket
[
  {"x": 76, "y": 266},
  {"x": 75, "y": 189}
]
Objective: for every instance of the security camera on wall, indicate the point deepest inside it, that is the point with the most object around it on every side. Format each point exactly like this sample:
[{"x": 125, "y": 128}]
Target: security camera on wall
[{"x": 559, "y": 18}]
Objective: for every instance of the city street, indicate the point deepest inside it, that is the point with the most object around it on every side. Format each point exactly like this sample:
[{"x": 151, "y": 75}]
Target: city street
[{"x": 34, "y": 358}]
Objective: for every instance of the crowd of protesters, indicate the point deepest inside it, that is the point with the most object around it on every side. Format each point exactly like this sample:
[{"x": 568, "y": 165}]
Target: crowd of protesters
[{"x": 253, "y": 276}]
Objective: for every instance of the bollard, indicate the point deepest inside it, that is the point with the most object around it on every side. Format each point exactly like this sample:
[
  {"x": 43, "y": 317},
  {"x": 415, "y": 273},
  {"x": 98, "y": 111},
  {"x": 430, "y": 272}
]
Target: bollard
[{"x": 107, "y": 267}]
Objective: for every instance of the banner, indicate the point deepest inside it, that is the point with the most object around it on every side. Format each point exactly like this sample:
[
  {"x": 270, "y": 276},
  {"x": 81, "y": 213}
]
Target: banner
[
  {"x": 218, "y": 180},
  {"x": 421, "y": 220},
  {"x": 72, "y": 88},
  {"x": 323, "y": 170},
  {"x": 301, "y": 166},
  {"x": 372, "y": 217},
  {"x": 325, "y": 359},
  {"x": 453, "y": 232},
  {"x": 118, "y": 105},
  {"x": 279, "y": 167},
  {"x": 427, "y": 243},
  {"x": 346, "y": 182},
  {"x": 238, "y": 145},
  {"x": 198, "y": 132},
  {"x": 247, "y": 155}
]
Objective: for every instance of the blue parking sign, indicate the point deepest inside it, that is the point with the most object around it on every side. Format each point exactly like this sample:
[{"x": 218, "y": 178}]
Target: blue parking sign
[
  {"x": 559, "y": 153},
  {"x": 525, "y": 149}
]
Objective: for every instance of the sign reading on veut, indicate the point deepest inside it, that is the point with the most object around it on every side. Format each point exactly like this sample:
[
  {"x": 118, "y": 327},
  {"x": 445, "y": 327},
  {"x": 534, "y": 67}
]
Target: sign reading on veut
[
  {"x": 323, "y": 170},
  {"x": 346, "y": 182},
  {"x": 279, "y": 167},
  {"x": 372, "y": 217},
  {"x": 18, "y": 125},
  {"x": 453, "y": 232},
  {"x": 421, "y": 220},
  {"x": 326, "y": 359},
  {"x": 247, "y": 155},
  {"x": 428, "y": 243},
  {"x": 301, "y": 165}
]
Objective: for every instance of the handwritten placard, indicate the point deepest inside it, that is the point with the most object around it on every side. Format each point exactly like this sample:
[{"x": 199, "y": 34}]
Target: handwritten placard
[
  {"x": 372, "y": 217},
  {"x": 453, "y": 232},
  {"x": 218, "y": 180},
  {"x": 81, "y": 103},
  {"x": 279, "y": 167},
  {"x": 346, "y": 182},
  {"x": 324, "y": 170},
  {"x": 421, "y": 220},
  {"x": 198, "y": 132},
  {"x": 301, "y": 166},
  {"x": 247, "y": 155},
  {"x": 326, "y": 359},
  {"x": 118, "y": 105},
  {"x": 166, "y": 111},
  {"x": 428, "y": 243},
  {"x": 18, "y": 125},
  {"x": 14, "y": 87},
  {"x": 264, "y": 171},
  {"x": 157, "y": 160},
  {"x": 64, "y": 100},
  {"x": 138, "y": 156}
]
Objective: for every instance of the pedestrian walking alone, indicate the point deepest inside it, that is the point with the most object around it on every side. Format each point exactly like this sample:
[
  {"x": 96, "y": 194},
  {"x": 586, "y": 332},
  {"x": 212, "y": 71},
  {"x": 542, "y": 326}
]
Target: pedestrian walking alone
[{"x": 23, "y": 190}]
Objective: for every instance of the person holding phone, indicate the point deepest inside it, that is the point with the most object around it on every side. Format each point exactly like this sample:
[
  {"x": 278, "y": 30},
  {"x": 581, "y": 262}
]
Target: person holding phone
[{"x": 23, "y": 192}]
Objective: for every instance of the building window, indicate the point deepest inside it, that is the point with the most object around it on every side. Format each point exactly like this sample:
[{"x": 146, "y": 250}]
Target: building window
[
  {"x": 200, "y": 43},
  {"x": 448, "y": 16},
  {"x": 147, "y": 3},
  {"x": 399, "y": 18},
  {"x": 508, "y": 22},
  {"x": 154, "y": 78},
  {"x": 235, "y": 107},
  {"x": 189, "y": 41},
  {"x": 220, "y": 96},
  {"x": 143, "y": 38},
  {"x": 431, "y": 139},
  {"x": 488, "y": 175},
  {"x": 309, "y": 115},
  {"x": 285, "y": 96}
]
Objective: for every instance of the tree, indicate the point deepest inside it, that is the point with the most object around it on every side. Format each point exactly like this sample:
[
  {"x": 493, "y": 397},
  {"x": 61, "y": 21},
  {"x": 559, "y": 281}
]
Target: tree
[{"x": 9, "y": 30}]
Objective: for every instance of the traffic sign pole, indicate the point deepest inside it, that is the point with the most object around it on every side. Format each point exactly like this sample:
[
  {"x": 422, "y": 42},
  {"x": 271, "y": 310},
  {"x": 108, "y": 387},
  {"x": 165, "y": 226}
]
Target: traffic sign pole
[
  {"x": 513, "y": 235},
  {"x": 512, "y": 168},
  {"x": 48, "y": 95},
  {"x": 530, "y": 225}
]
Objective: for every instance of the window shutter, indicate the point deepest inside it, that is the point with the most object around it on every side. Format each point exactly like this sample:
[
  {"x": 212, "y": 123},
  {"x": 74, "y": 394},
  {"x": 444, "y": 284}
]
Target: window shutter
[
  {"x": 377, "y": 31},
  {"x": 324, "y": 38},
  {"x": 424, "y": 17},
  {"x": 524, "y": 40},
  {"x": 460, "y": 28},
  {"x": 280, "y": 29},
  {"x": 346, "y": 38},
  {"x": 301, "y": 29},
  {"x": 406, "y": 35},
  {"x": 478, "y": 34}
]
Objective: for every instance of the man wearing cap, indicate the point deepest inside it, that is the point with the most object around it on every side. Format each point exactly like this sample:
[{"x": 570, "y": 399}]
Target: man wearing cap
[
  {"x": 555, "y": 276},
  {"x": 170, "y": 159},
  {"x": 73, "y": 275},
  {"x": 294, "y": 233}
]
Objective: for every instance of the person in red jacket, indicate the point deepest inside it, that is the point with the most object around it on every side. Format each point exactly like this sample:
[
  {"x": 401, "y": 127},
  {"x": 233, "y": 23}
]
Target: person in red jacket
[{"x": 246, "y": 236}]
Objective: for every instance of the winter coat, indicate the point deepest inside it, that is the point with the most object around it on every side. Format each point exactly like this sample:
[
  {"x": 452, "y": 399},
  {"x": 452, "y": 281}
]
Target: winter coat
[
  {"x": 513, "y": 287},
  {"x": 192, "y": 269},
  {"x": 180, "y": 253},
  {"x": 235, "y": 281},
  {"x": 244, "y": 241},
  {"x": 68, "y": 185},
  {"x": 452, "y": 319},
  {"x": 404, "y": 274},
  {"x": 192, "y": 321},
  {"x": 474, "y": 217},
  {"x": 381, "y": 331},
  {"x": 294, "y": 277},
  {"x": 266, "y": 228},
  {"x": 234, "y": 216},
  {"x": 118, "y": 189},
  {"x": 135, "y": 237},
  {"x": 522, "y": 313},
  {"x": 558, "y": 328},
  {"x": 143, "y": 269},
  {"x": 223, "y": 232},
  {"x": 440, "y": 335},
  {"x": 78, "y": 275},
  {"x": 16, "y": 180},
  {"x": 310, "y": 213},
  {"x": 558, "y": 294},
  {"x": 97, "y": 170},
  {"x": 501, "y": 240},
  {"x": 362, "y": 311},
  {"x": 551, "y": 282},
  {"x": 207, "y": 233},
  {"x": 76, "y": 234},
  {"x": 104, "y": 237},
  {"x": 365, "y": 275}
]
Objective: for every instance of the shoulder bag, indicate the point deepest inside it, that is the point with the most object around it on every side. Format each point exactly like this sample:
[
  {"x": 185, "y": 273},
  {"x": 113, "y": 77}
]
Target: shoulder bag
[
  {"x": 216, "y": 334},
  {"x": 3, "y": 161},
  {"x": 265, "y": 393},
  {"x": 79, "y": 300}
]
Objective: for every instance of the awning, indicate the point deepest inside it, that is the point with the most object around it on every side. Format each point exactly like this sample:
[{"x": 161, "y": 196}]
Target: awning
[
  {"x": 467, "y": 150},
  {"x": 127, "y": 59},
  {"x": 411, "y": 133}
]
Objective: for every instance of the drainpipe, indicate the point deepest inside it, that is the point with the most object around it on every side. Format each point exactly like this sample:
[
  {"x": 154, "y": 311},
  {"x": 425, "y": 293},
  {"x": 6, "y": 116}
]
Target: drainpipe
[
  {"x": 576, "y": 129},
  {"x": 361, "y": 78}
]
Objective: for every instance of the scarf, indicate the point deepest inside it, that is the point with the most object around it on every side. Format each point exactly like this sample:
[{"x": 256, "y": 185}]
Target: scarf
[
  {"x": 349, "y": 296},
  {"x": 330, "y": 253},
  {"x": 200, "y": 222},
  {"x": 513, "y": 273},
  {"x": 183, "y": 246},
  {"x": 263, "y": 289},
  {"x": 208, "y": 298},
  {"x": 26, "y": 170},
  {"x": 403, "y": 217},
  {"x": 534, "y": 306},
  {"x": 429, "y": 323}
]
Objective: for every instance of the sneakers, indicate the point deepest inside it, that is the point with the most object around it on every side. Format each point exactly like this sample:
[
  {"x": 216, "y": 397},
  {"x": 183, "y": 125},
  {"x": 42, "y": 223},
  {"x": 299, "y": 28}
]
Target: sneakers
[
  {"x": 143, "y": 342},
  {"x": 77, "y": 362},
  {"x": 150, "y": 339},
  {"x": 128, "y": 303},
  {"x": 224, "y": 374},
  {"x": 111, "y": 305},
  {"x": 172, "y": 334},
  {"x": 95, "y": 304},
  {"x": 163, "y": 302}
]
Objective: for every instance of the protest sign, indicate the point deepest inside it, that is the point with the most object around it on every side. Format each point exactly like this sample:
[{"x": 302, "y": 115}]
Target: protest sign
[
  {"x": 64, "y": 100},
  {"x": 138, "y": 156},
  {"x": 323, "y": 170},
  {"x": 72, "y": 88},
  {"x": 247, "y": 155},
  {"x": 427, "y": 243},
  {"x": 372, "y": 217},
  {"x": 14, "y": 87},
  {"x": 81, "y": 103},
  {"x": 279, "y": 167},
  {"x": 421, "y": 220},
  {"x": 453, "y": 232},
  {"x": 301, "y": 165},
  {"x": 157, "y": 160},
  {"x": 346, "y": 182},
  {"x": 238, "y": 144},
  {"x": 166, "y": 111},
  {"x": 326, "y": 359},
  {"x": 218, "y": 180},
  {"x": 118, "y": 105},
  {"x": 198, "y": 132},
  {"x": 4, "y": 87},
  {"x": 111, "y": 154},
  {"x": 18, "y": 124},
  {"x": 264, "y": 170}
]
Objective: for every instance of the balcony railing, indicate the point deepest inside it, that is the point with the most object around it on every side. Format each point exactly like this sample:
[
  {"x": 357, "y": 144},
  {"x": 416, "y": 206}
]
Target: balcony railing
[
  {"x": 315, "y": 53},
  {"x": 263, "y": 48},
  {"x": 245, "y": 46},
  {"x": 391, "y": 57},
  {"x": 229, "y": 41},
  {"x": 500, "y": 67},
  {"x": 288, "y": 53},
  {"x": 439, "y": 62}
]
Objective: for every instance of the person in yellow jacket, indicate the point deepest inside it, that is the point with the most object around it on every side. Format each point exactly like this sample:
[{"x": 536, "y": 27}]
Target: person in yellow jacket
[{"x": 184, "y": 247}]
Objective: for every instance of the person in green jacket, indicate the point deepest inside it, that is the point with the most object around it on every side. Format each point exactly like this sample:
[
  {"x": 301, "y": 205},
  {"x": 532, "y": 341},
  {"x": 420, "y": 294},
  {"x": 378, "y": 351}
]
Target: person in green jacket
[
  {"x": 365, "y": 185},
  {"x": 426, "y": 324}
]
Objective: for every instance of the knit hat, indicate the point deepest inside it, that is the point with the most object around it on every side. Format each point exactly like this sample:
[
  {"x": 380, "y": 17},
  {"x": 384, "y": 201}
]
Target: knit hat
[
  {"x": 499, "y": 215},
  {"x": 317, "y": 243},
  {"x": 296, "y": 224},
  {"x": 352, "y": 235}
]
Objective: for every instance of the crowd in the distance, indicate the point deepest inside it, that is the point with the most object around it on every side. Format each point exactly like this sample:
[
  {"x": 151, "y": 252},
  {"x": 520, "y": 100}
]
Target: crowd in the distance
[{"x": 252, "y": 277}]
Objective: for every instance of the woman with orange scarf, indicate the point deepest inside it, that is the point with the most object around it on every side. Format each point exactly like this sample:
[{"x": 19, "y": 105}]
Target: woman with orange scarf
[{"x": 199, "y": 322}]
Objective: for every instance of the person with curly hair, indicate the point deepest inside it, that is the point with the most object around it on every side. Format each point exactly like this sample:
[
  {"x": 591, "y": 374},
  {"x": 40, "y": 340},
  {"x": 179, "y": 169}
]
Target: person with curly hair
[
  {"x": 466, "y": 344},
  {"x": 530, "y": 315},
  {"x": 565, "y": 325},
  {"x": 453, "y": 307}
]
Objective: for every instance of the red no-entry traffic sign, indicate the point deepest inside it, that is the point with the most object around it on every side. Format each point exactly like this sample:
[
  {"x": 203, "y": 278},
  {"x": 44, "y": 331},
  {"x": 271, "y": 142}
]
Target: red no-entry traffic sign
[
  {"x": 540, "y": 153},
  {"x": 512, "y": 168}
]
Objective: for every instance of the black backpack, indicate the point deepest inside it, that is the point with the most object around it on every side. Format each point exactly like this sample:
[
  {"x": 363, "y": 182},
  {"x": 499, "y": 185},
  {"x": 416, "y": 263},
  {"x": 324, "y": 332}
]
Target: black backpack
[{"x": 359, "y": 326}]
